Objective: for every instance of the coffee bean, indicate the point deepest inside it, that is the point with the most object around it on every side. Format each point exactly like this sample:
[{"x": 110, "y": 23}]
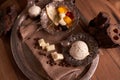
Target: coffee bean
[
  {"x": 51, "y": 64},
  {"x": 55, "y": 63},
  {"x": 28, "y": 38},
  {"x": 47, "y": 62}
]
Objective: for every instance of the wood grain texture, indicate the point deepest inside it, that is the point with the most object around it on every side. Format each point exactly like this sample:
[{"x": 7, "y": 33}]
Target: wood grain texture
[
  {"x": 8, "y": 68},
  {"x": 108, "y": 68}
]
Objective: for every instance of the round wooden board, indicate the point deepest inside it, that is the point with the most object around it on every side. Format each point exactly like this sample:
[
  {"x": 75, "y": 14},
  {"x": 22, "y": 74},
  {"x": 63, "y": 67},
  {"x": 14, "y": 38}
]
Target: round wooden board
[{"x": 28, "y": 63}]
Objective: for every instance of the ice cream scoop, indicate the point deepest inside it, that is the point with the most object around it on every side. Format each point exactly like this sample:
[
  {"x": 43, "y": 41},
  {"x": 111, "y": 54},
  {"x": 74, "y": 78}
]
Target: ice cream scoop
[
  {"x": 34, "y": 11},
  {"x": 79, "y": 50}
]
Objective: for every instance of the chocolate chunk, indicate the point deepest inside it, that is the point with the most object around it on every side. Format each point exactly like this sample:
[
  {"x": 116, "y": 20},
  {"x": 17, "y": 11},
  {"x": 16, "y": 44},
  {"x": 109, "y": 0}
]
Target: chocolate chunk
[{"x": 100, "y": 21}]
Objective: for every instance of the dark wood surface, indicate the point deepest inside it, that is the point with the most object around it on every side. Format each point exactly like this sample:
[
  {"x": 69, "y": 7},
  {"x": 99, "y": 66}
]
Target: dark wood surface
[{"x": 108, "y": 67}]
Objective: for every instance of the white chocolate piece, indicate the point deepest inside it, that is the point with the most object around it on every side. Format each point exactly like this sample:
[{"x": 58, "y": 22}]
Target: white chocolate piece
[
  {"x": 57, "y": 56},
  {"x": 34, "y": 11},
  {"x": 50, "y": 47},
  {"x": 79, "y": 50},
  {"x": 47, "y": 44},
  {"x": 42, "y": 43}
]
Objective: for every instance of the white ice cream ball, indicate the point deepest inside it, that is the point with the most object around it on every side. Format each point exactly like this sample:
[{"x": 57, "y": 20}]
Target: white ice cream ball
[
  {"x": 79, "y": 50},
  {"x": 34, "y": 11}
]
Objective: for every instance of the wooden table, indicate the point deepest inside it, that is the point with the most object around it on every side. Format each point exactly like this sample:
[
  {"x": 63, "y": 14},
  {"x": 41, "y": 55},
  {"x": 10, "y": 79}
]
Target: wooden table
[{"x": 108, "y": 68}]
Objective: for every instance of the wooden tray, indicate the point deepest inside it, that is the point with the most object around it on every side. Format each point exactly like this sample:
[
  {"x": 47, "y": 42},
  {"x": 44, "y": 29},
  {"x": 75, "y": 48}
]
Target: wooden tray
[{"x": 28, "y": 63}]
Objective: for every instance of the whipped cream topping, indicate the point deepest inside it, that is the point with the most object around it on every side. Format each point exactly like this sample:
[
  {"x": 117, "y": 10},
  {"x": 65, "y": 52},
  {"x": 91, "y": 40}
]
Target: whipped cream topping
[{"x": 79, "y": 50}]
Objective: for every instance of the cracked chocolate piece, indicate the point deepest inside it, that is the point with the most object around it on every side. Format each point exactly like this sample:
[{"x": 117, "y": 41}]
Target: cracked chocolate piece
[
  {"x": 100, "y": 21},
  {"x": 98, "y": 29}
]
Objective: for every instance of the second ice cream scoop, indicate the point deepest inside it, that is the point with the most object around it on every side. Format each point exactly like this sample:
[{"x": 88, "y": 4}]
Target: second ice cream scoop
[{"x": 79, "y": 50}]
